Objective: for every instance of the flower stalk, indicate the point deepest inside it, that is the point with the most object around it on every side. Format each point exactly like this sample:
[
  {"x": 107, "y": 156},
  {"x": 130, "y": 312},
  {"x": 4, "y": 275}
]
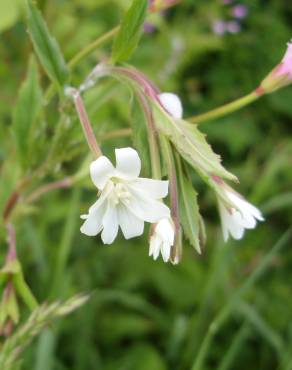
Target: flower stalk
[
  {"x": 85, "y": 122},
  {"x": 227, "y": 108}
]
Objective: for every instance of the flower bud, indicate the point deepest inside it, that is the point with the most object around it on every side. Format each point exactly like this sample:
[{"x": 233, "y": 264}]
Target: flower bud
[
  {"x": 172, "y": 104},
  {"x": 162, "y": 241},
  {"x": 280, "y": 76}
]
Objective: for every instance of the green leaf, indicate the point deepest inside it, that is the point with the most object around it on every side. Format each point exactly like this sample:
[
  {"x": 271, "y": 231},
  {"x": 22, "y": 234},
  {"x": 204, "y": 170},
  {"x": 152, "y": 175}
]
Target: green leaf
[
  {"x": 26, "y": 111},
  {"x": 46, "y": 47},
  {"x": 130, "y": 31},
  {"x": 191, "y": 144},
  {"x": 12, "y": 307},
  {"x": 9, "y": 13},
  {"x": 189, "y": 211}
]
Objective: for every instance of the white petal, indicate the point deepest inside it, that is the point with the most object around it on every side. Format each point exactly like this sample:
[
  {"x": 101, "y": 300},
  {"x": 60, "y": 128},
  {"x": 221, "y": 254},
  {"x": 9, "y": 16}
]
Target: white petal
[
  {"x": 93, "y": 222},
  {"x": 234, "y": 225},
  {"x": 165, "y": 251},
  {"x": 147, "y": 209},
  {"x": 155, "y": 244},
  {"x": 247, "y": 220},
  {"x": 162, "y": 239},
  {"x": 104, "y": 195},
  {"x": 172, "y": 104},
  {"x": 155, "y": 189},
  {"x": 101, "y": 170},
  {"x": 128, "y": 163},
  {"x": 110, "y": 225},
  {"x": 131, "y": 225},
  {"x": 229, "y": 222},
  {"x": 165, "y": 230},
  {"x": 244, "y": 206}
]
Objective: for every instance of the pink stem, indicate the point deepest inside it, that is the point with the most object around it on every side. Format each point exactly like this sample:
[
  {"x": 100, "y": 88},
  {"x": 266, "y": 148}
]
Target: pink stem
[
  {"x": 85, "y": 123},
  {"x": 61, "y": 184},
  {"x": 11, "y": 239}
]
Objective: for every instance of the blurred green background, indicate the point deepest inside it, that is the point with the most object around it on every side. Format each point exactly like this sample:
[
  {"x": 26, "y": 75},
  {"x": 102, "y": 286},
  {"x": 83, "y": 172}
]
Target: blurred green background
[{"x": 143, "y": 314}]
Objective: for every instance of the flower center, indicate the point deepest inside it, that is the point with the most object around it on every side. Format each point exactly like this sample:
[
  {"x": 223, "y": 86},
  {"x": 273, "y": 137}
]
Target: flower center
[{"x": 119, "y": 193}]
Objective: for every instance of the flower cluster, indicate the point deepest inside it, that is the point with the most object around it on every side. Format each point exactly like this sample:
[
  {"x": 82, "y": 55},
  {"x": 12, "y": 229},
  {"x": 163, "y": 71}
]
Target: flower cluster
[
  {"x": 232, "y": 20},
  {"x": 126, "y": 200}
]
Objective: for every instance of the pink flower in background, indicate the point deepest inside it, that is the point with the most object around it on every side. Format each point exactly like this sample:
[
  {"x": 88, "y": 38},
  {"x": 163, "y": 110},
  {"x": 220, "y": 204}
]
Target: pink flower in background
[
  {"x": 231, "y": 19},
  {"x": 219, "y": 27},
  {"x": 233, "y": 27},
  {"x": 149, "y": 27},
  {"x": 240, "y": 11}
]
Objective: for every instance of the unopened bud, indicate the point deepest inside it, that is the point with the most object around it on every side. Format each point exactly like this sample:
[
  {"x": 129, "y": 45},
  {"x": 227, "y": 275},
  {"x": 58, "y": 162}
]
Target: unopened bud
[{"x": 280, "y": 76}]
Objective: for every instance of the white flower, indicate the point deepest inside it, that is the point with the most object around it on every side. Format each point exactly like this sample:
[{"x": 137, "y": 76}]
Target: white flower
[
  {"x": 172, "y": 104},
  {"x": 162, "y": 239},
  {"x": 125, "y": 199},
  {"x": 237, "y": 215}
]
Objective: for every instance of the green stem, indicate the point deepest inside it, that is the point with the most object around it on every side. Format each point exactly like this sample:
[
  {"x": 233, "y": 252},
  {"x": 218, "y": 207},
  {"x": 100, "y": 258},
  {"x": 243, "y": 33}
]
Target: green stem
[
  {"x": 235, "y": 347},
  {"x": 82, "y": 54},
  {"x": 24, "y": 291},
  {"x": 226, "y": 109},
  {"x": 91, "y": 47}
]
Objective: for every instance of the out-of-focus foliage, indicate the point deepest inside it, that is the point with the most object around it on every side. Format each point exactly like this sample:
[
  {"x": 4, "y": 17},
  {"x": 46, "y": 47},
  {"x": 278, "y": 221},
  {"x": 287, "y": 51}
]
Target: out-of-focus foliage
[{"x": 146, "y": 314}]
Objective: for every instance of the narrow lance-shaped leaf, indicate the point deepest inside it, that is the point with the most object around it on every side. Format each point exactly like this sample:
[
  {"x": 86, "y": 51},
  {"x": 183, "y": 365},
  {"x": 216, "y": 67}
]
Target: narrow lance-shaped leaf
[
  {"x": 130, "y": 31},
  {"x": 27, "y": 108},
  {"x": 190, "y": 217},
  {"x": 46, "y": 47},
  {"x": 191, "y": 144}
]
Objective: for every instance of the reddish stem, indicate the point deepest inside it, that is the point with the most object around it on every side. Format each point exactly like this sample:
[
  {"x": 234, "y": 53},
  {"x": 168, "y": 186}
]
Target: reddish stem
[
  {"x": 61, "y": 184},
  {"x": 11, "y": 239},
  {"x": 85, "y": 123}
]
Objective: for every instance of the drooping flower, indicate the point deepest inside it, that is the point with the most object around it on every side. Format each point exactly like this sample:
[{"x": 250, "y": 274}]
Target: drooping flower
[
  {"x": 162, "y": 240},
  {"x": 236, "y": 213},
  {"x": 126, "y": 200},
  {"x": 280, "y": 76},
  {"x": 172, "y": 104}
]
